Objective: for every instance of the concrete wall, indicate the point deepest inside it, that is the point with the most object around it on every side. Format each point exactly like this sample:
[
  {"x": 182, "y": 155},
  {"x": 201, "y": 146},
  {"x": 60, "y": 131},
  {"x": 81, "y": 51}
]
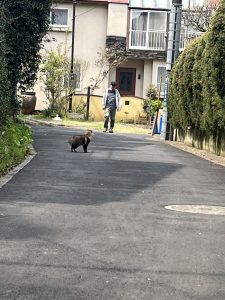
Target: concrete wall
[
  {"x": 129, "y": 113},
  {"x": 195, "y": 139}
]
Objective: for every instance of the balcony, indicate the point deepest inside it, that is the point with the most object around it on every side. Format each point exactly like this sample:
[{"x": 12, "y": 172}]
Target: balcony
[
  {"x": 186, "y": 37},
  {"x": 156, "y": 40},
  {"x": 147, "y": 40}
]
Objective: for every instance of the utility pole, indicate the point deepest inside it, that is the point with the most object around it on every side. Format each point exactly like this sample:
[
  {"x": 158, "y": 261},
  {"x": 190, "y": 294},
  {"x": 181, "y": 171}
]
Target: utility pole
[
  {"x": 172, "y": 55},
  {"x": 72, "y": 75}
]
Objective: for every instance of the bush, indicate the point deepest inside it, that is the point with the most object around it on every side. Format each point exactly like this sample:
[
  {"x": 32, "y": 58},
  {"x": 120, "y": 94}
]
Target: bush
[
  {"x": 152, "y": 101},
  {"x": 197, "y": 82},
  {"x": 214, "y": 74},
  {"x": 15, "y": 144},
  {"x": 197, "y": 106},
  {"x": 178, "y": 107},
  {"x": 4, "y": 94}
]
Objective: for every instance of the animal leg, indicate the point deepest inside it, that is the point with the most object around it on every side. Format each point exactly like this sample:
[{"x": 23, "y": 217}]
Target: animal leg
[
  {"x": 86, "y": 145},
  {"x": 73, "y": 148}
]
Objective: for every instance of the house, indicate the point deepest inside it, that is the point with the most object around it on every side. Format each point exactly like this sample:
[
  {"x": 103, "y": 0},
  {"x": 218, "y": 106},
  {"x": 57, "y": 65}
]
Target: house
[{"x": 138, "y": 26}]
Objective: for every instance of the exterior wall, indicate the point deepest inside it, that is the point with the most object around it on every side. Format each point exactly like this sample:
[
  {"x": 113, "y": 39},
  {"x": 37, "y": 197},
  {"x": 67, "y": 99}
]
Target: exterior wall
[
  {"x": 147, "y": 76},
  {"x": 94, "y": 22},
  {"x": 139, "y": 66},
  {"x": 147, "y": 69},
  {"x": 91, "y": 20},
  {"x": 131, "y": 112},
  {"x": 117, "y": 20},
  {"x": 194, "y": 139}
]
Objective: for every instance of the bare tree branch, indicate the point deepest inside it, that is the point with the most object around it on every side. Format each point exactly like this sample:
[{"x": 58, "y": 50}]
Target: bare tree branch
[
  {"x": 199, "y": 17},
  {"x": 107, "y": 60}
]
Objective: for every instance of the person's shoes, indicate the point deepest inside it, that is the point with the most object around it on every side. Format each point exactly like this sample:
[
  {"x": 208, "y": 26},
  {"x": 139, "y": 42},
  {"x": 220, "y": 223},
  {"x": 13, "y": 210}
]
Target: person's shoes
[
  {"x": 105, "y": 130},
  {"x": 110, "y": 131}
]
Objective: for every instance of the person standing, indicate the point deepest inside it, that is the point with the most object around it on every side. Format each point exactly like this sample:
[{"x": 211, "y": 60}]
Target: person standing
[{"x": 111, "y": 101}]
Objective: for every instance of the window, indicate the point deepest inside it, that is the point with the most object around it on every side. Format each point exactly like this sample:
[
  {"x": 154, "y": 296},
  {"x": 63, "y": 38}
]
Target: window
[
  {"x": 77, "y": 71},
  {"x": 72, "y": 80},
  {"x": 59, "y": 17},
  {"x": 161, "y": 73},
  {"x": 163, "y": 4},
  {"x": 126, "y": 78},
  {"x": 148, "y": 29},
  {"x": 192, "y": 3}
]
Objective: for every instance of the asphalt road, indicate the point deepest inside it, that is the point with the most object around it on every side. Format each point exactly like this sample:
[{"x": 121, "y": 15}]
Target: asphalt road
[{"x": 94, "y": 226}]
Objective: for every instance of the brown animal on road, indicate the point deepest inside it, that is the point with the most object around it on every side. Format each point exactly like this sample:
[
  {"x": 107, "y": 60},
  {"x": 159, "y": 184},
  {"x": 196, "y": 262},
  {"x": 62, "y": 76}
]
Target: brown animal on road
[{"x": 81, "y": 140}]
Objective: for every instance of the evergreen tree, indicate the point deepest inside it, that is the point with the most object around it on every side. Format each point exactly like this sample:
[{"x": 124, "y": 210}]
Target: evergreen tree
[
  {"x": 214, "y": 74},
  {"x": 26, "y": 23}
]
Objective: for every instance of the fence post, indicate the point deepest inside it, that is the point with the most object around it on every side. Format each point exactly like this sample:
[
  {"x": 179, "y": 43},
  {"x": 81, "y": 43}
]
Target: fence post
[{"x": 88, "y": 102}]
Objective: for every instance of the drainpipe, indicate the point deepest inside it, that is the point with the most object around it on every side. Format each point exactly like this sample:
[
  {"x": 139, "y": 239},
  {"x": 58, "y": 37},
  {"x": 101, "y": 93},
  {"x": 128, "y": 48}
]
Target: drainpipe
[
  {"x": 72, "y": 53},
  {"x": 172, "y": 55}
]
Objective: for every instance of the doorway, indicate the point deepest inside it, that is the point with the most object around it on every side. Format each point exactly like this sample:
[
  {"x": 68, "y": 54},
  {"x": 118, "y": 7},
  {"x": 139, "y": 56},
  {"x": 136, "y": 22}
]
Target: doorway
[{"x": 126, "y": 78}]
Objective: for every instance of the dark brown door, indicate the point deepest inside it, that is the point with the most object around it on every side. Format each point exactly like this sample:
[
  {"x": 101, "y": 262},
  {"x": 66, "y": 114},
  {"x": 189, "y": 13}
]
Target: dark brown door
[{"x": 125, "y": 78}]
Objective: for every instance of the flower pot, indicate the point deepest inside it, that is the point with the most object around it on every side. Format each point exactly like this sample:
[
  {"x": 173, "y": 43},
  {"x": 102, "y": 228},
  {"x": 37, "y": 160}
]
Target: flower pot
[{"x": 28, "y": 103}]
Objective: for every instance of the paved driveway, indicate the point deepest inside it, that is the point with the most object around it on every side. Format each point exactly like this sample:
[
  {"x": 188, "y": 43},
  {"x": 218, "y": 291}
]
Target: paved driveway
[{"x": 93, "y": 226}]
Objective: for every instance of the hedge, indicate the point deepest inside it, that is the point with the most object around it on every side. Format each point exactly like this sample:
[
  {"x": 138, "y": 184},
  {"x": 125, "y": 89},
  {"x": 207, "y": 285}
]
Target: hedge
[{"x": 197, "y": 82}]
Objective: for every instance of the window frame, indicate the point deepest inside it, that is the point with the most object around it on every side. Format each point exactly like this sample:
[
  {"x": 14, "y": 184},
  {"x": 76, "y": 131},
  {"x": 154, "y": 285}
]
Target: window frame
[
  {"x": 79, "y": 88},
  {"x": 59, "y": 25},
  {"x": 147, "y": 25},
  {"x": 158, "y": 83}
]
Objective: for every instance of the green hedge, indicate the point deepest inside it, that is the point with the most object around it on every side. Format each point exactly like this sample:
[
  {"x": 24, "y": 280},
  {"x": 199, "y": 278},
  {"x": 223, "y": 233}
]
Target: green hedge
[
  {"x": 197, "y": 83},
  {"x": 15, "y": 141},
  {"x": 5, "y": 105}
]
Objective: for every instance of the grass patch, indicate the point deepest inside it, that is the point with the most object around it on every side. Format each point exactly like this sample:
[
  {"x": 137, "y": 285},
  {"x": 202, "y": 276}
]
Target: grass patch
[
  {"x": 98, "y": 126},
  {"x": 15, "y": 141}
]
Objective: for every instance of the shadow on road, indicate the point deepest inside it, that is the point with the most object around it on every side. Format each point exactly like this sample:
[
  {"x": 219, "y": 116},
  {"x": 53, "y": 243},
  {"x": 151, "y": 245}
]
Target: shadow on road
[{"x": 117, "y": 168}]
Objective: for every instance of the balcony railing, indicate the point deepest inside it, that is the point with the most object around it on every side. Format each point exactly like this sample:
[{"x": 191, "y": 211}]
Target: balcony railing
[
  {"x": 156, "y": 40},
  {"x": 147, "y": 40},
  {"x": 187, "y": 37}
]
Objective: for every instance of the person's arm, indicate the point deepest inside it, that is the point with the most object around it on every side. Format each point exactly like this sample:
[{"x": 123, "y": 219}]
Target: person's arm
[{"x": 104, "y": 99}]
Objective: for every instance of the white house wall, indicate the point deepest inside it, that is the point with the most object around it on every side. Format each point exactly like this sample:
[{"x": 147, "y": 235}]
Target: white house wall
[
  {"x": 90, "y": 37},
  {"x": 117, "y": 20},
  {"x": 93, "y": 24},
  {"x": 147, "y": 76}
]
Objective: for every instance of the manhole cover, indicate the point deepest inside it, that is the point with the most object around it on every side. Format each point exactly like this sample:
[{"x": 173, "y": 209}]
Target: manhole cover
[{"x": 198, "y": 209}]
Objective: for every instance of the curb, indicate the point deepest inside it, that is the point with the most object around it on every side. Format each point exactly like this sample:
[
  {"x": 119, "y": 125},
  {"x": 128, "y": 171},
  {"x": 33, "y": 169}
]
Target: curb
[
  {"x": 37, "y": 122},
  {"x": 6, "y": 178}
]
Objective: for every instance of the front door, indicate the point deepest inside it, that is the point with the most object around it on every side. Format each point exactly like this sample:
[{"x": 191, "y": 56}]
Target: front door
[{"x": 125, "y": 78}]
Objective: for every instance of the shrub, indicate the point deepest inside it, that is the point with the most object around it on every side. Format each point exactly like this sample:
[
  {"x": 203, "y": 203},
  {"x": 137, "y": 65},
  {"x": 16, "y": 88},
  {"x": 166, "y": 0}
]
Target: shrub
[
  {"x": 197, "y": 83},
  {"x": 4, "y": 94},
  {"x": 197, "y": 105},
  {"x": 15, "y": 141},
  {"x": 213, "y": 118}
]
